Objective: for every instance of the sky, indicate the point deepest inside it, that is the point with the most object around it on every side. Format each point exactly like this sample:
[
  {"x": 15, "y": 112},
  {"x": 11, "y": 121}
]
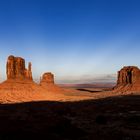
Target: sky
[{"x": 80, "y": 41}]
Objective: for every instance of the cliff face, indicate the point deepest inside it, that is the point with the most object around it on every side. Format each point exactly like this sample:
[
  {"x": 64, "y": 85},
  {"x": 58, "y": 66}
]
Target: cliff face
[
  {"x": 15, "y": 69},
  {"x": 128, "y": 78}
]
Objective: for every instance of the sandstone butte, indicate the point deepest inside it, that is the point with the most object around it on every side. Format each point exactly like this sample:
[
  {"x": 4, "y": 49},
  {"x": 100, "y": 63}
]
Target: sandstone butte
[
  {"x": 20, "y": 86},
  {"x": 15, "y": 69},
  {"x": 128, "y": 80}
]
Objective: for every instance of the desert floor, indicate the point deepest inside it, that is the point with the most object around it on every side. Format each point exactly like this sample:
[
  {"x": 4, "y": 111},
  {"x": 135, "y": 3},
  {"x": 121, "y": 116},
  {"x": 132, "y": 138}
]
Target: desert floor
[
  {"x": 21, "y": 91},
  {"x": 111, "y": 118},
  {"x": 29, "y": 112}
]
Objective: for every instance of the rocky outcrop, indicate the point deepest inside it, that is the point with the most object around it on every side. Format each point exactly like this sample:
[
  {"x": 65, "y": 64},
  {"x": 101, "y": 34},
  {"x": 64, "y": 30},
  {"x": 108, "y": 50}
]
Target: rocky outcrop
[
  {"x": 16, "y": 69},
  {"x": 128, "y": 79},
  {"x": 47, "y": 79},
  {"x": 47, "y": 83}
]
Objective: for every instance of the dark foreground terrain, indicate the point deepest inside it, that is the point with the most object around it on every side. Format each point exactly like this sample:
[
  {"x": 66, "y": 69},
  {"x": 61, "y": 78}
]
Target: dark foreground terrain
[{"x": 116, "y": 118}]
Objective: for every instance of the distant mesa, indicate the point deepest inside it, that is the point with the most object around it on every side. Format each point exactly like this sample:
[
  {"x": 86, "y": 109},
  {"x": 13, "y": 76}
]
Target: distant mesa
[
  {"x": 128, "y": 79},
  {"x": 47, "y": 78},
  {"x": 16, "y": 69},
  {"x": 129, "y": 75}
]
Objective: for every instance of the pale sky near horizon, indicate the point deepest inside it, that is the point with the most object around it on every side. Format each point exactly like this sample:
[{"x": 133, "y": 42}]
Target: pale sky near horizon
[{"x": 80, "y": 41}]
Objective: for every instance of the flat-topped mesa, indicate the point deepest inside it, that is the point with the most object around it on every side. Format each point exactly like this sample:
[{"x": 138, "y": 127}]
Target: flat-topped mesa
[
  {"x": 16, "y": 69},
  {"x": 128, "y": 77},
  {"x": 47, "y": 79}
]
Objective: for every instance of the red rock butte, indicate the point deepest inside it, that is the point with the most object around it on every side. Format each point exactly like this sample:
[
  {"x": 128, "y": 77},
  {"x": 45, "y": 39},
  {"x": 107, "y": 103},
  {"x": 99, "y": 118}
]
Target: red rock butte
[
  {"x": 128, "y": 79},
  {"x": 47, "y": 78},
  {"x": 16, "y": 69}
]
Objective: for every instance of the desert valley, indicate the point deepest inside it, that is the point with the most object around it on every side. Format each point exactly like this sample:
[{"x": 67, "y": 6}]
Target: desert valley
[
  {"x": 20, "y": 86},
  {"x": 69, "y": 69},
  {"x": 31, "y": 110}
]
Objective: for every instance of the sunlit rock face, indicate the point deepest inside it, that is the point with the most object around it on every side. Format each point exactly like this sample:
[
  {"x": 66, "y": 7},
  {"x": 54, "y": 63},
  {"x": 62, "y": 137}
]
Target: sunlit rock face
[
  {"x": 16, "y": 69},
  {"x": 47, "y": 79},
  {"x": 128, "y": 78}
]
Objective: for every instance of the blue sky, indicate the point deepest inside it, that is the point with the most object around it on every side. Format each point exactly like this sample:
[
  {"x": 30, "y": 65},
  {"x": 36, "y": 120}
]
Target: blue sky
[{"x": 78, "y": 40}]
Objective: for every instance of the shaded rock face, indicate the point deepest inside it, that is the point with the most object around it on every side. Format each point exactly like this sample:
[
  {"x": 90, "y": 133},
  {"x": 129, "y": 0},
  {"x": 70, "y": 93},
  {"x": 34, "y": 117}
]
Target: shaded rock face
[
  {"x": 15, "y": 69},
  {"x": 128, "y": 77},
  {"x": 47, "y": 78}
]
